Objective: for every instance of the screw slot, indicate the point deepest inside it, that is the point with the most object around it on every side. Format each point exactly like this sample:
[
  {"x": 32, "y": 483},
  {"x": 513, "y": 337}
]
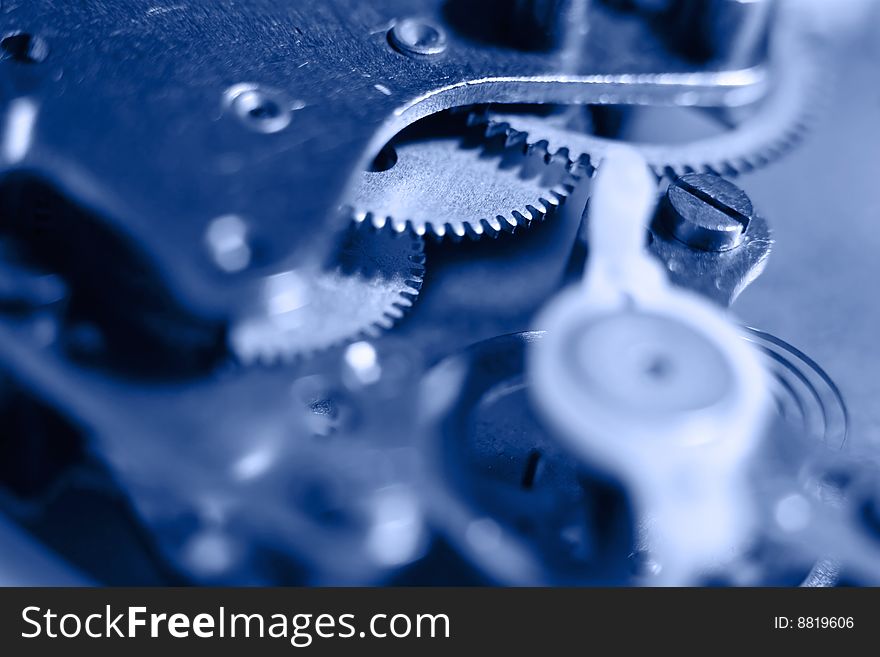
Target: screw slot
[
  {"x": 530, "y": 473},
  {"x": 24, "y": 48},
  {"x": 417, "y": 37}
]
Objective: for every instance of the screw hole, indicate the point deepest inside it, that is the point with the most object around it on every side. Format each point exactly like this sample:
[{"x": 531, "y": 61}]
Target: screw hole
[
  {"x": 266, "y": 110},
  {"x": 24, "y": 48}
]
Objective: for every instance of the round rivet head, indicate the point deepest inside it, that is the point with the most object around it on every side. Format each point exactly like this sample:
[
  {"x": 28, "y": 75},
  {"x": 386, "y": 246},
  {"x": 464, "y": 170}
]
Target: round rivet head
[
  {"x": 706, "y": 212},
  {"x": 259, "y": 108},
  {"x": 413, "y": 36}
]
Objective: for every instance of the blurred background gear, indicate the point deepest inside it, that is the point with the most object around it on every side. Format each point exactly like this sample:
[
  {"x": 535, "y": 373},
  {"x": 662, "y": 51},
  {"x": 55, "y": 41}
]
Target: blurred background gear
[{"x": 373, "y": 280}]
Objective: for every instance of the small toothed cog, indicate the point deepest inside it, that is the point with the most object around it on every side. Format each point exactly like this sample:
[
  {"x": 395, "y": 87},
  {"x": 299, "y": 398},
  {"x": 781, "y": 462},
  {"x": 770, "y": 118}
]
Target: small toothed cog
[
  {"x": 373, "y": 280},
  {"x": 452, "y": 186}
]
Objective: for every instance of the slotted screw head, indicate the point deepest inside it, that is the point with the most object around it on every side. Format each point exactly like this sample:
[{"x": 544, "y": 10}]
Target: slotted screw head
[{"x": 706, "y": 212}]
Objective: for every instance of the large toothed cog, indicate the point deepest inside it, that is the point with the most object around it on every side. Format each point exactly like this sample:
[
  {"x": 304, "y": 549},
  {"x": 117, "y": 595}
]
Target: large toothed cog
[
  {"x": 455, "y": 186},
  {"x": 773, "y": 127},
  {"x": 373, "y": 280}
]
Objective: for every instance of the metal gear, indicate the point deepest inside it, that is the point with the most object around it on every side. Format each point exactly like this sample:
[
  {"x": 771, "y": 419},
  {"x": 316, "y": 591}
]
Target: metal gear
[
  {"x": 457, "y": 186},
  {"x": 374, "y": 279},
  {"x": 777, "y": 124}
]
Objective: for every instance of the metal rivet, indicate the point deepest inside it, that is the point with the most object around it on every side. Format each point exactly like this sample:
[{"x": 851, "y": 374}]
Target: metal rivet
[
  {"x": 413, "y": 36},
  {"x": 260, "y": 109}
]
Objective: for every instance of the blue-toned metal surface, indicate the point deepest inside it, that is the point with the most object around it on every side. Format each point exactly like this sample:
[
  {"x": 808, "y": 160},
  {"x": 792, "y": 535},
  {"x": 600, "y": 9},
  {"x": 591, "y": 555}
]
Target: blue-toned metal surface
[{"x": 209, "y": 374}]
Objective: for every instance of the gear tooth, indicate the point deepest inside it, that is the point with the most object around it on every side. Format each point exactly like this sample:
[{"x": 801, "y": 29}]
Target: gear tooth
[
  {"x": 410, "y": 297},
  {"x": 495, "y": 129},
  {"x": 394, "y": 312},
  {"x": 506, "y": 224},
  {"x": 520, "y": 219},
  {"x": 790, "y": 143},
  {"x": 727, "y": 169},
  {"x": 475, "y": 229},
  {"x": 374, "y": 331},
  {"x": 769, "y": 154},
  {"x": 539, "y": 149},
  {"x": 361, "y": 226},
  {"x": 379, "y": 221},
  {"x": 560, "y": 193},
  {"x": 521, "y": 134},
  {"x": 514, "y": 138},
  {"x": 491, "y": 227},
  {"x": 571, "y": 180},
  {"x": 560, "y": 156},
  {"x": 745, "y": 166},
  {"x": 455, "y": 232},
  {"x": 582, "y": 165},
  {"x": 760, "y": 160},
  {"x": 398, "y": 226}
]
